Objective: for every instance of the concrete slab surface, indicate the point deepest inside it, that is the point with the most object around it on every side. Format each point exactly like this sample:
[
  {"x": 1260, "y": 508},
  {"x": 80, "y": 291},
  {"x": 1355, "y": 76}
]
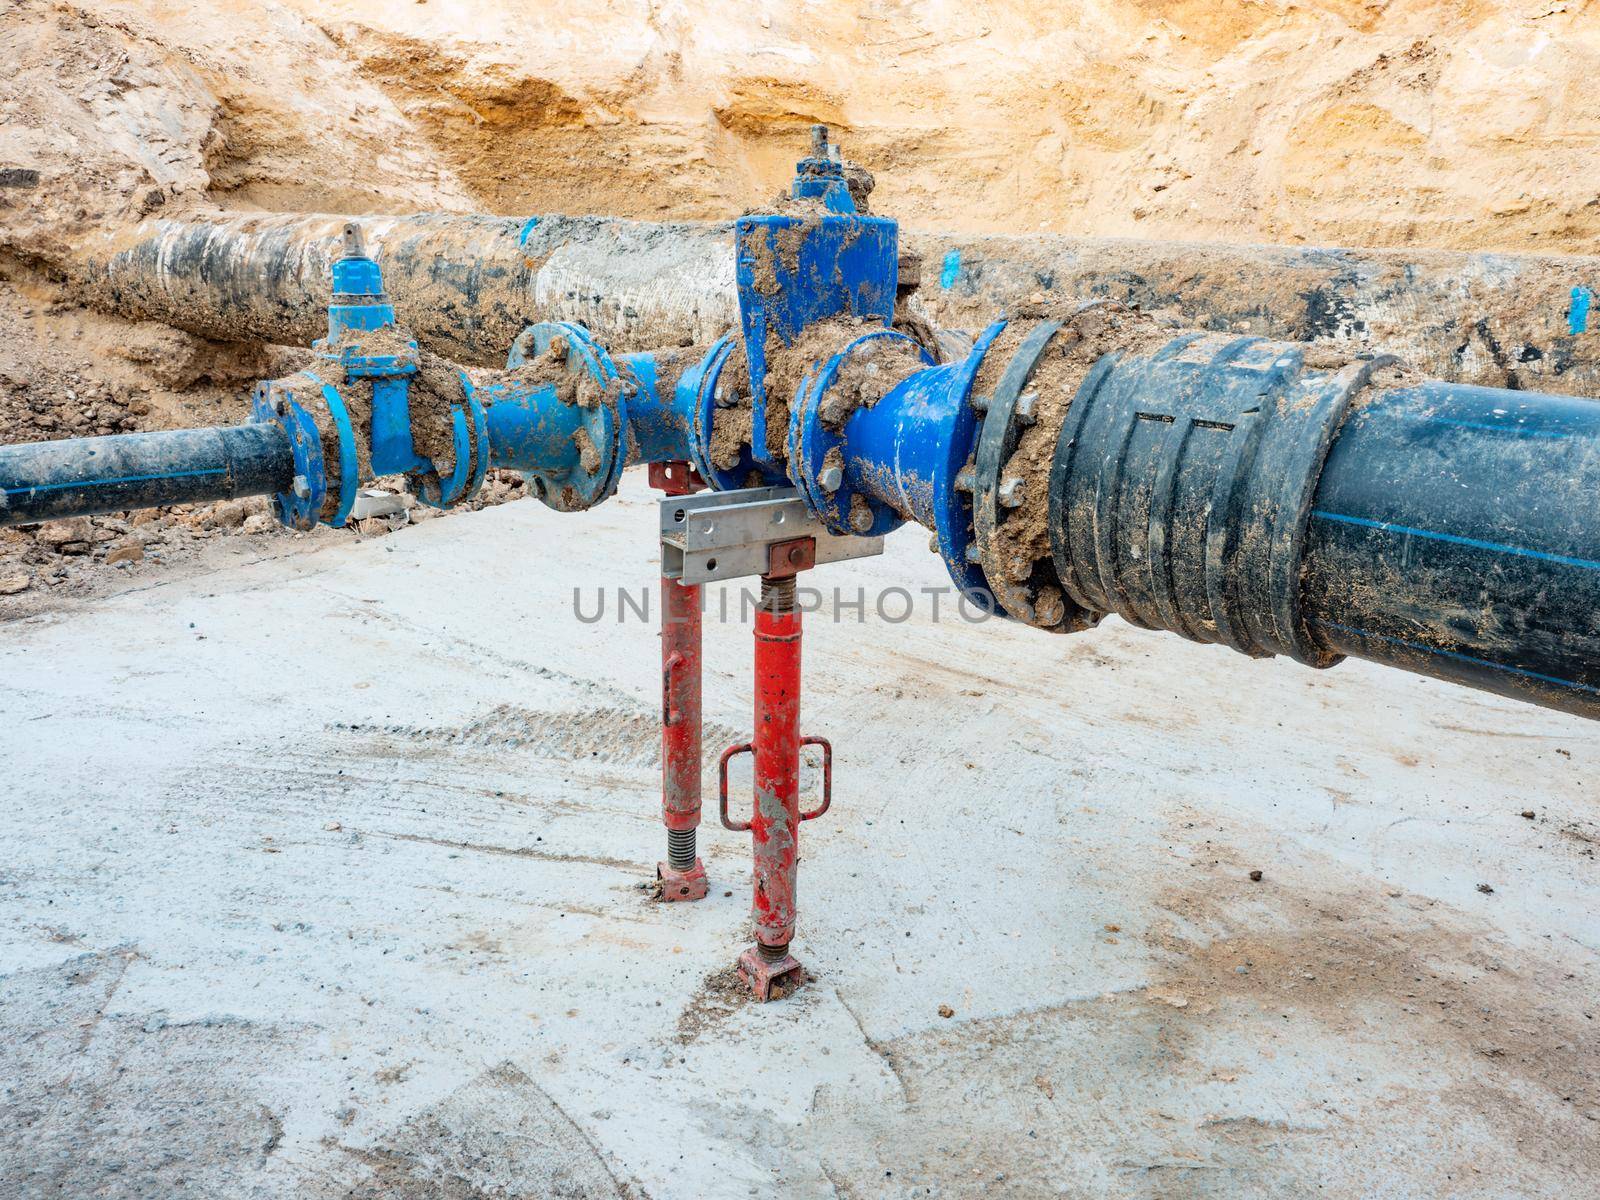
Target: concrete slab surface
[{"x": 321, "y": 877}]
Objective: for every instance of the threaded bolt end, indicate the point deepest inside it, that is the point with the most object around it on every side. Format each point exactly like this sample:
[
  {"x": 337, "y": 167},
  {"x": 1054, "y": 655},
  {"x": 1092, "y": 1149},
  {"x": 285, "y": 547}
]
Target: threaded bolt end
[
  {"x": 681, "y": 849},
  {"x": 772, "y": 954},
  {"x": 778, "y": 595}
]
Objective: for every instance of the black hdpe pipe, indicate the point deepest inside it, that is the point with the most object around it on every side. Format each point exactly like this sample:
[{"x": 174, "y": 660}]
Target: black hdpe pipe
[
  {"x": 1224, "y": 490},
  {"x": 43, "y": 481},
  {"x": 1456, "y": 532}
]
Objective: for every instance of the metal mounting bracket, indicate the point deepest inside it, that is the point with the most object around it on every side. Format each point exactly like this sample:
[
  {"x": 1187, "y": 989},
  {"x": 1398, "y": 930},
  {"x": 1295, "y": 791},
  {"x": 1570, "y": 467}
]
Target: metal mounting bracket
[{"x": 727, "y": 535}]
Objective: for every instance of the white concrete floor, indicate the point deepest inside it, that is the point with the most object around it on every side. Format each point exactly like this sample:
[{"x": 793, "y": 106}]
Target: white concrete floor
[{"x": 320, "y": 878}]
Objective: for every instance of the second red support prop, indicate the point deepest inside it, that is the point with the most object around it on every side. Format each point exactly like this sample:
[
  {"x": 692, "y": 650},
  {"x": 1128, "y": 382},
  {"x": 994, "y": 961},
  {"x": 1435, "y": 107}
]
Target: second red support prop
[{"x": 768, "y": 967}]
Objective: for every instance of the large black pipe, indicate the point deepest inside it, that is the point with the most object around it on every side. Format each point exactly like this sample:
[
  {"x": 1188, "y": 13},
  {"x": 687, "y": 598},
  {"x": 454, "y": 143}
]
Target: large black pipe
[
  {"x": 1456, "y": 532},
  {"x": 41, "y": 481},
  {"x": 1230, "y": 491},
  {"x": 466, "y": 285}
]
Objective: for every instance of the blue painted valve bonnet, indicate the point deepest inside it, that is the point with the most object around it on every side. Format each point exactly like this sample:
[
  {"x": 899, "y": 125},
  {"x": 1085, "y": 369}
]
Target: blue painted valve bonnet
[{"x": 357, "y": 277}]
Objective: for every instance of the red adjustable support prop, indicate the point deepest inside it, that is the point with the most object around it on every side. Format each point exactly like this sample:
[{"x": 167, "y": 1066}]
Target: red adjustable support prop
[
  {"x": 683, "y": 875},
  {"x": 768, "y": 967}
]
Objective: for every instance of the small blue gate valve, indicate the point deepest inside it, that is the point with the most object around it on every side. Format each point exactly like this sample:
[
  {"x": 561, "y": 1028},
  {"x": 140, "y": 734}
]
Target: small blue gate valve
[
  {"x": 336, "y": 448},
  {"x": 797, "y": 267}
]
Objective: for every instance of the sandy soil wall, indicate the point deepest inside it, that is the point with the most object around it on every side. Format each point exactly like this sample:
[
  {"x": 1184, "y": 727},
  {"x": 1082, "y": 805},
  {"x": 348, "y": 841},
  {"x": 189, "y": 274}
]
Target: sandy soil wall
[{"x": 1456, "y": 123}]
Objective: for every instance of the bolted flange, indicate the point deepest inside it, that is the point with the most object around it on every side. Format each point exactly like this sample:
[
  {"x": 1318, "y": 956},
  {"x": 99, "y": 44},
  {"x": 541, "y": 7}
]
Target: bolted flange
[
  {"x": 817, "y": 462},
  {"x": 1005, "y": 417},
  {"x": 954, "y": 485},
  {"x": 326, "y": 467},
  {"x": 579, "y": 443}
]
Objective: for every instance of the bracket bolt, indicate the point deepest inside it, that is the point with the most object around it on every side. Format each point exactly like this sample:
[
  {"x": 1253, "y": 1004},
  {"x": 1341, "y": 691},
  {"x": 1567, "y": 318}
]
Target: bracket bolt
[
  {"x": 1026, "y": 404},
  {"x": 829, "y": 479},
  {"x": 1011, "y": 492}
]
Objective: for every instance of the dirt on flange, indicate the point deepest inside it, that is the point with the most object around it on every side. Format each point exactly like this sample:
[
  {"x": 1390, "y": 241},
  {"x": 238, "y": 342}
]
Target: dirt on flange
[
  {"x": 870, "y": 372},
  {"x": 1022, "y": 538}
]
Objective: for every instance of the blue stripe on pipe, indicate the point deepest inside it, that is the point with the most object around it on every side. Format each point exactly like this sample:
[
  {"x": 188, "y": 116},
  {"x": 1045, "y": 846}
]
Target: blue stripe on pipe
[
  {"x": 1466, "y": 658},
  {"x": 1578, "y": 314},
  {"x": 1512, "y": 429},
  {"x": 83, "y": 483},
  {"x": 1564, "y": 560},
  {"x": 951, "y": 269}
]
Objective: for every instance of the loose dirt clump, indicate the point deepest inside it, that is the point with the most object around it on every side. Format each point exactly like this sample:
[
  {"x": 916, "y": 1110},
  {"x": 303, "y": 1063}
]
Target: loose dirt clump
[
  {"x": 869, "y": 374},
  {"x": 787, "y": 366}
]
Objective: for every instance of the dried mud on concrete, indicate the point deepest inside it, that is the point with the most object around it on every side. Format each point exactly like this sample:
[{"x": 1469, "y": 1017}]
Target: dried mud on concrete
[{"x": 311, "y": 889}]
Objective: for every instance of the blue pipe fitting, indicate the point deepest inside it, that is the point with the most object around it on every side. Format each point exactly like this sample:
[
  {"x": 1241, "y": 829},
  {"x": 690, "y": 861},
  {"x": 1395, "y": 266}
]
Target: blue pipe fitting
[
  {"x": 387, "y": 358},
  {"x": 796, "y": 269},
  {"x": 657, "y": 427},
  {"x": 829, "y": 466},
  {"x": 364, "y": 345},
  {"x": 390, "y": 361},
  {"x": 571, "y": 452},
  {"x": 697, "y": 391},
  {"x": 302, "y": 405},
  {"x": 469, "y": 435},
  {"x": 948, "y": 402},
  {"x": 906, "y": 458},
  {"x": 358, "y": 299},
  {"x": 821, "y": 176}
]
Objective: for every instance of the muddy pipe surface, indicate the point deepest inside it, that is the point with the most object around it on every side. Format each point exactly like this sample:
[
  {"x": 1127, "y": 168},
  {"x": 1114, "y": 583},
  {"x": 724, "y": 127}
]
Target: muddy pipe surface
[
  {"x": 464, "y": 285},
  {"x": 468, "y": 284},
  {"x": 1252, "y": 494}
]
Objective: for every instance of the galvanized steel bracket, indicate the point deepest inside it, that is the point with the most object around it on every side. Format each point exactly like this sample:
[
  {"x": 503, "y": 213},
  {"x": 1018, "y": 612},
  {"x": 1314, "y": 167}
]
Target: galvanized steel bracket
[{"x": 727, "y": 535}]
